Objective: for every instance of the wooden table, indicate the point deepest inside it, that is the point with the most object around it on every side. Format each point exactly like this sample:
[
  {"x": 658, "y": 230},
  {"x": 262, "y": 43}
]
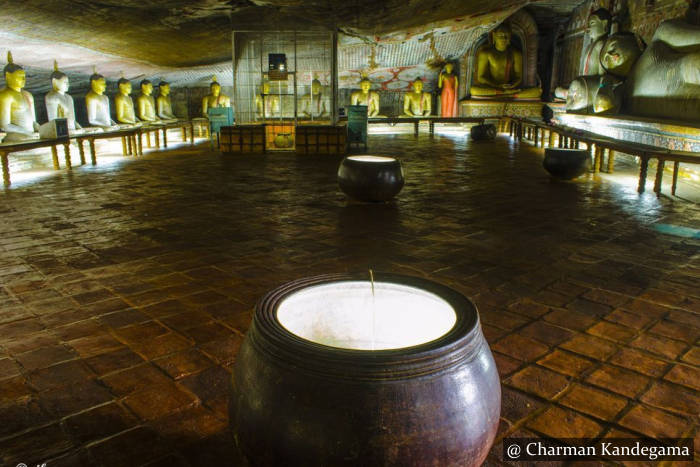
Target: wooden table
[
  {"x": 6, "y": 149},
  {"x": 127, "y": 135},
  {"x": 157, "y": 128}
]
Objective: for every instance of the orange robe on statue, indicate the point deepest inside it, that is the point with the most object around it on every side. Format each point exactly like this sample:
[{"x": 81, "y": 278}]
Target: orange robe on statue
[{"x": 448, "y": 97}]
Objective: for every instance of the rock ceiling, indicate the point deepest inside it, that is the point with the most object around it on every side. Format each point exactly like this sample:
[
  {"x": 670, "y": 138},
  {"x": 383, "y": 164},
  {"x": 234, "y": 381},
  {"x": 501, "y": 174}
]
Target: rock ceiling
[{"x": 149, "y": 36}]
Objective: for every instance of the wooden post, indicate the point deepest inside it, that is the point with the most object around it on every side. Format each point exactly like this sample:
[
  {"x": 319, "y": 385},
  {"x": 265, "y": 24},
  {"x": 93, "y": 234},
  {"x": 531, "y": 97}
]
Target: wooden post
[
  {"x": 611, "y": 161},
  {"x": 184, "y": 133},
  {"x": 54, "y": 157},
  {"x": 415, "y": 128},
  {"x": 191, "y": 133},
  {"x": 148, "y": 138},
  {"x": 66, "y": 152},
  {"x": 93, "y": 152},
  {"x": 81, "y": 150},
  {"x": 5, "y": 168},
  {"x": 551, "y": 138},
  {"x": 643, "y": 167},
  {"x": 157, "y": 135},
  {"x": 591, "y": 154},
  {"x": 596, "y": 160},
  {"x": 676, "y": 166},
  {"x": 537, "y": 135},
  {"x": 659, "y": 176},
  {"x": 139, "y": 143}
]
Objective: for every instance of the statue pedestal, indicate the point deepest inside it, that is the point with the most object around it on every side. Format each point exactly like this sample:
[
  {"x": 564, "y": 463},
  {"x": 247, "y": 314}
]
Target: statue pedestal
[{"x": 500, "y": 108}]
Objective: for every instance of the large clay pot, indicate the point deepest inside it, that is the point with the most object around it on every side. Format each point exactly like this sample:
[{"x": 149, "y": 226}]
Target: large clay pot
[
  {"x": 309, "y": 390},
  {"x": 283, "y": 140},
  {"x": 486, "y": 132},
  {"x": 370, "y": 178},
  {"x": 566, "y": 163}
]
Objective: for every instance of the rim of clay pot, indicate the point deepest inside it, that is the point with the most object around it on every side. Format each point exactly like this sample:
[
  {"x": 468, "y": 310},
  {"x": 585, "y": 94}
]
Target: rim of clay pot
[
  {"x": 371, "y": 159},
  {"x": 459, "y": 344}
]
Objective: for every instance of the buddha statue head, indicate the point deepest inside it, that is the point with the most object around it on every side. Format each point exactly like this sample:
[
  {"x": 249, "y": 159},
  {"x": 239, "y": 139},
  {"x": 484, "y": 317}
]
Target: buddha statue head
[
  {"x": 315, "y": 87},
  {"x": 449, "y": 68},
  {"x": 599, "y": 23},
  {"x": 59, "y": 80},
  {"x": 146, "y": 87},
  {"x": 365, "y": 85},
  {"x": 417, "y": 85},
  {"x": 97, "y": 83},
  {"x": 501, "y": 36},
  {"x": 619, "y": 54},
  {"x": 15, "y": 77},
  {"x": 215, "y": 87},
  {"x": 124, "y": 86},
  {"x": 164, "y": 88}
]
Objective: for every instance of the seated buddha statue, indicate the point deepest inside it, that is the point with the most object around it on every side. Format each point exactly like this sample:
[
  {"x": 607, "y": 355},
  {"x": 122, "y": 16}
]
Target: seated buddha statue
[
  {"x": 164, "y": 107},
  {"x": 366, "y": 97},
  {"x": 598, "y": 30},
  {"x": 124, "y": 105},
  {"x": 214, "y": 98},
  {"x": 270, "y": 103},
  {"x": 97, "y": 103},
  {"x": 499, "y": 69},
  {"x": 313, "y": 105},
  {"x": 58, "y": 103},
  {"x": 17, "y": 117},
  {"x": 417, "y": 103},
  {"x": 146, "y": 103}
]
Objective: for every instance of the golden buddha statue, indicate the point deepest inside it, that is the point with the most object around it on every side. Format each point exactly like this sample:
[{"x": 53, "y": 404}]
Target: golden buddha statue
[
  {"x": 58, "y": 103},
  {"x": 499, "y": 69},
  {"x": 366, "y": 97},
  {"x": 214, "y": 98},
  {"x": 163, "y": 105},
  {"x": 146, "y": 103},
  {"x": 269, "y": 102},
  {"x": 17, "y": 116},
  {"x": 124, "y": 105},
  {"x": 97, "y": 103},
  {"x": 313, "y": 105},
  {"x": 417, "y": 103}
]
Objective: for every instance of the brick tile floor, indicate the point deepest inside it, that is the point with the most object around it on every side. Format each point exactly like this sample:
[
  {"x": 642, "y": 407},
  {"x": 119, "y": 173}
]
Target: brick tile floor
[{"x": 126, "y": 290}]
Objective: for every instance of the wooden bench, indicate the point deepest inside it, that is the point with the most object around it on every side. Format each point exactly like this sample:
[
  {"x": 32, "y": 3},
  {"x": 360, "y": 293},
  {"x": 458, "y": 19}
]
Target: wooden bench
[
  {"x": 7, "y": 149},
  {"x": 598, "y": 145}
]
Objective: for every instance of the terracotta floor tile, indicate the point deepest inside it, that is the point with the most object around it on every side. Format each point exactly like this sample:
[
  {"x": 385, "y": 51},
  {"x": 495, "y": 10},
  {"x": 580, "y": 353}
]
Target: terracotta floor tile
[
  {"x": 136, "y": 378},
  {"x": 117, "y": 360},
  {"x": 663, "y": 346},
  {"x": 618, "y": 380},
  {"x": 506, "y": 365},
  {"x": 593, "y": 402},
  {"x": 692, "y": 356},
  {"x": 134, "y": 447},
  {"x": 62, "y": 374},
  {"x": 678, "y": 331},
  {"x": 45, "y": 356},
  {"x": 34, "y": 446},
  {"x": 673, "y": 398},
  {"x": 539, "y": 381},
  {"x": 95, "y": 344},
  {"x": 611, "y": 331},
  {"x": 628, "y": 319},
  {"x": 183, "y": 363},
  {"x": 159, "y": 400},
  {"x": 516, "y": 405},
  {"x": 633, "y": 359},
  {"x": 209, "y": 384},
  {"x": 569, "y": 319},
  {"x": 547, "y": 333},
  {"x": 566, "y": 363},
  {"x": 606, "y": 297},
  {"x": 653, "y": 422},
  {"x": 521, "y": 348},
  {"x": 98, "y": 423},
  {"x": 590, "y": 346},
  {"x": 561, "y": 423}
]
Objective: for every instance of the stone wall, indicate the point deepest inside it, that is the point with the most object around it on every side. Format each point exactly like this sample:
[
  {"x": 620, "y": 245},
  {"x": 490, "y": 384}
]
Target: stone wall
[{"x": 642, "y": 17}]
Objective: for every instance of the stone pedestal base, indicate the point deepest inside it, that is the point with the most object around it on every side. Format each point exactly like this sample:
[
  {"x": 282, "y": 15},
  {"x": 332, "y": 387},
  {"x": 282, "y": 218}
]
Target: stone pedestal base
[{"x": 500, "y": 108}]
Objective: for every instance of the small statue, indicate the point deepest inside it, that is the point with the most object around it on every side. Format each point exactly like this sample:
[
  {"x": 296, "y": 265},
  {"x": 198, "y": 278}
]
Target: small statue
[
  {"x": 58, "y": 103},
  {"x": 499, "y": 69},
  {"x": 146, "y": 103},
  {"x": 448, "y": 83},
  {"x": 417, "y": 103},
  {"x": 366, "y": 97},
  {"x": 599, "y": 24},
  {"x": 270, "y": 103},
  {"x": 313, "y": 105},
  {"x": 163, "y": 104},
  {"x": 97, "y": 103},
  {"x": 124, "y": 104},
  {"x": 17, "y": 116},
  {"x": 214, "y": 98}
]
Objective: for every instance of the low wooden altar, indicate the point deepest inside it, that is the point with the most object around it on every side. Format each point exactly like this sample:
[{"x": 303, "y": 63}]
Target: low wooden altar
[{"x": 500, "y": 108}]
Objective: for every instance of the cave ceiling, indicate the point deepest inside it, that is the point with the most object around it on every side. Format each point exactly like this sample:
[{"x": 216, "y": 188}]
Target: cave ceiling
[{"x": 178, "y": 33}]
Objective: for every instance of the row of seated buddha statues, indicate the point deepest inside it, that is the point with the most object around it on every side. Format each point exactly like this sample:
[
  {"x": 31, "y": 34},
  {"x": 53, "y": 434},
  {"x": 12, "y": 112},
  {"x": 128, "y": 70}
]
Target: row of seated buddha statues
[
  {"x": 416, "y": 103},
  {"x": 18, "y": 115},
  {"x": 620, "y": 74}
]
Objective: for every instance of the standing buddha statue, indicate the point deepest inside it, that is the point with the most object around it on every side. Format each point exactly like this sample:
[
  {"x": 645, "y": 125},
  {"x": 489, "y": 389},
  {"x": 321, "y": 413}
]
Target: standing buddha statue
[
  {"x": 58, "y": 103},
  {"x": 499, "y": 69},
  {"x": 17, "y": 116},
  {"x": 448, "y": 83},
  {"x": 366, "y": 97},
  {"x": 214, "y": 98},
  {"x": 417, "y": 103}
]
